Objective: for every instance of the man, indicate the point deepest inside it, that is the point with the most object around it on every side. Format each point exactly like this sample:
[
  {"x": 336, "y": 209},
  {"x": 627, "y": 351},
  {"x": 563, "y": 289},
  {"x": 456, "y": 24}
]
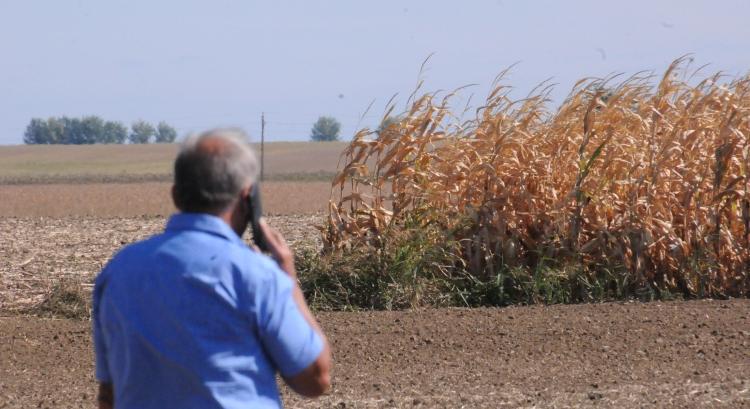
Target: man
[{"x": 193, "y": 317}]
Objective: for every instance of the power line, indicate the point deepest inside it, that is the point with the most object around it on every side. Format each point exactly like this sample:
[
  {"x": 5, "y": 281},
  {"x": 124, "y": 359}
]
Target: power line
[{"x": 262, "y": 141}]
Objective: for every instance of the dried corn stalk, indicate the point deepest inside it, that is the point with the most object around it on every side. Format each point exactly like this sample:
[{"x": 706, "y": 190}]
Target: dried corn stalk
[{"x": 647, "y": 179}]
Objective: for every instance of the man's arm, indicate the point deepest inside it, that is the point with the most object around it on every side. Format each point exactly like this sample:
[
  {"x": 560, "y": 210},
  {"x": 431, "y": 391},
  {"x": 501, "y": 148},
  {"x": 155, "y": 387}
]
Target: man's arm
[
  {"x": 106, "y": 397},
  {"x": 314, "y": 380}
]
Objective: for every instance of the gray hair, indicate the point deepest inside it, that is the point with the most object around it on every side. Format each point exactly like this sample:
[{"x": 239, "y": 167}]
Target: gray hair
[{"x": 211, "y": 170}]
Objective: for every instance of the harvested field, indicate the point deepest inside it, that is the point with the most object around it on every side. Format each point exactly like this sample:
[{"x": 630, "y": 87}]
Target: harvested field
[
  {"x": 38, "y": 253},
  {"x": 120, "y": 163},
  {"x": 679, "y": 354},
  {"x": 137, "y": 199}
]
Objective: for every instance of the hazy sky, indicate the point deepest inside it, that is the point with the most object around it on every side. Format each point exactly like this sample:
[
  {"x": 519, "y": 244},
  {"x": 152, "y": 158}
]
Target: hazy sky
[{"x": 201, "y": 64}]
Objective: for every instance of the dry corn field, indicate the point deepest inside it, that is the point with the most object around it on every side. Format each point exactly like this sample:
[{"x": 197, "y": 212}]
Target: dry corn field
[{"x": 642, "y": 180}]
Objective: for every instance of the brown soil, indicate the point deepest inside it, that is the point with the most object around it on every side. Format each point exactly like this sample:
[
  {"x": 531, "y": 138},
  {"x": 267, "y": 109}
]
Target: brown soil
[
  {"x": 677, "y": 354},
  {"x": 145, "y": 198}
]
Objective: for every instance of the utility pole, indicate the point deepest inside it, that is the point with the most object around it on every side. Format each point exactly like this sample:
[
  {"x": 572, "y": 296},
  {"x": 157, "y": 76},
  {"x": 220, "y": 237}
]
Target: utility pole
[{"x": 262, "y": 141}]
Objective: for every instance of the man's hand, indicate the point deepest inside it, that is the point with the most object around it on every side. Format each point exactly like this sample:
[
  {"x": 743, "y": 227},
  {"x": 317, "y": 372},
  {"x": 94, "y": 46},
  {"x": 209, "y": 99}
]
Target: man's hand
[
  {"x": 279, "y": 249},
  {"x": 106, "y": 396}
]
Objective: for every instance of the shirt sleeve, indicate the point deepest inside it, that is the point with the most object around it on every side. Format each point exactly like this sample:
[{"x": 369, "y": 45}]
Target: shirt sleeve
[
  {"x": 287, "y": 337},
  {"x": 100, "y": 349}
]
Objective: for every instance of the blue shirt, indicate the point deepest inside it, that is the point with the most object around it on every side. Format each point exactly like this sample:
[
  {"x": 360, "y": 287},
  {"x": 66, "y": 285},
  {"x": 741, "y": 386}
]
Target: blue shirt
[{"x": 193, "y": 318}]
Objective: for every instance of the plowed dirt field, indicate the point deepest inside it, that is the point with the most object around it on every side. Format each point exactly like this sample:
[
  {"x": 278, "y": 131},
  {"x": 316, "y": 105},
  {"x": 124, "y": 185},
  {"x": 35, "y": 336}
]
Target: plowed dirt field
[{"x": 629, "y": 355}]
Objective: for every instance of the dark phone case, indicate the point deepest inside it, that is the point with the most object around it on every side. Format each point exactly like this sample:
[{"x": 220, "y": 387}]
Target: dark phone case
[{"x": 256, "y": 211}]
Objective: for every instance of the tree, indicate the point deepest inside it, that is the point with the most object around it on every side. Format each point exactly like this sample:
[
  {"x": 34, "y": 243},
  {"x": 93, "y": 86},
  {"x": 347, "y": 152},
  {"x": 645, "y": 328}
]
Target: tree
[
  {"x": 114, "y": 132},
  {"x": 325, "y": 129},
  {"x": 81, "y": 131},
  {"x": 56, "y": 129},
  {"x": 72, "y": 131},
  {"x": 34, "y": 133},
  {"x": 141, "y": 132},
  {"x": 39, "y": 132},
  {"x": 165, "y": 133},
  {"x": 92, "y": 129},
  {"x": 387, "y": 122}
]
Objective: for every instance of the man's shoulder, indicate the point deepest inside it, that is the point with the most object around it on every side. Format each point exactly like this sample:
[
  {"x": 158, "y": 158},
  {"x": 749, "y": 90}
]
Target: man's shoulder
[
  {"x": 138, "y": 248},
  {"x": 191, "y": 242},
  {"x": 251, "y": 265},
  {"x": 255, "y": 266}
]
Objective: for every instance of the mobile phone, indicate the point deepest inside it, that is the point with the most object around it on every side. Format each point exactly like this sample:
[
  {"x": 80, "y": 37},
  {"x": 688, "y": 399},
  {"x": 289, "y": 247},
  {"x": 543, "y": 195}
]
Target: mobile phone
[{"x": 256, "y": 211}]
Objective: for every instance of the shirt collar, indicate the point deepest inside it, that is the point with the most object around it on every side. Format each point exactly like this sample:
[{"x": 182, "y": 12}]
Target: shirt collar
[{"x": 202, "y": 222}]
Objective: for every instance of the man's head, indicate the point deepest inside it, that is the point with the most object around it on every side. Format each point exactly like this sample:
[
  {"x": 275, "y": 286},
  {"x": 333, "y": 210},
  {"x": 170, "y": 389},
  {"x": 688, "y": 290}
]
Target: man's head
[{"x": 213, "y": 172}]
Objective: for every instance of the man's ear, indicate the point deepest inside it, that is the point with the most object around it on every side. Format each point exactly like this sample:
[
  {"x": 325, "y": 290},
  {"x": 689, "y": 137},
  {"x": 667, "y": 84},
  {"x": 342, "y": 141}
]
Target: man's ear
[
  {"x": 175, "y": 198},
  {"x": 247, "y": 190},
  {"x": 245, "y": 194}
]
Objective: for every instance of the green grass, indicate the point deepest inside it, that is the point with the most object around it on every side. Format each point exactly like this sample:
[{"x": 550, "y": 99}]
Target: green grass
[{"x": 404, "y": 270}]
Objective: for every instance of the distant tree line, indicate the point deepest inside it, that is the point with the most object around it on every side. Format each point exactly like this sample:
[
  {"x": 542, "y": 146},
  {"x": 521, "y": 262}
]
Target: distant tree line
[
  {"x": 327, "y": 128},
  {"x": 93, "y": 129}
]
